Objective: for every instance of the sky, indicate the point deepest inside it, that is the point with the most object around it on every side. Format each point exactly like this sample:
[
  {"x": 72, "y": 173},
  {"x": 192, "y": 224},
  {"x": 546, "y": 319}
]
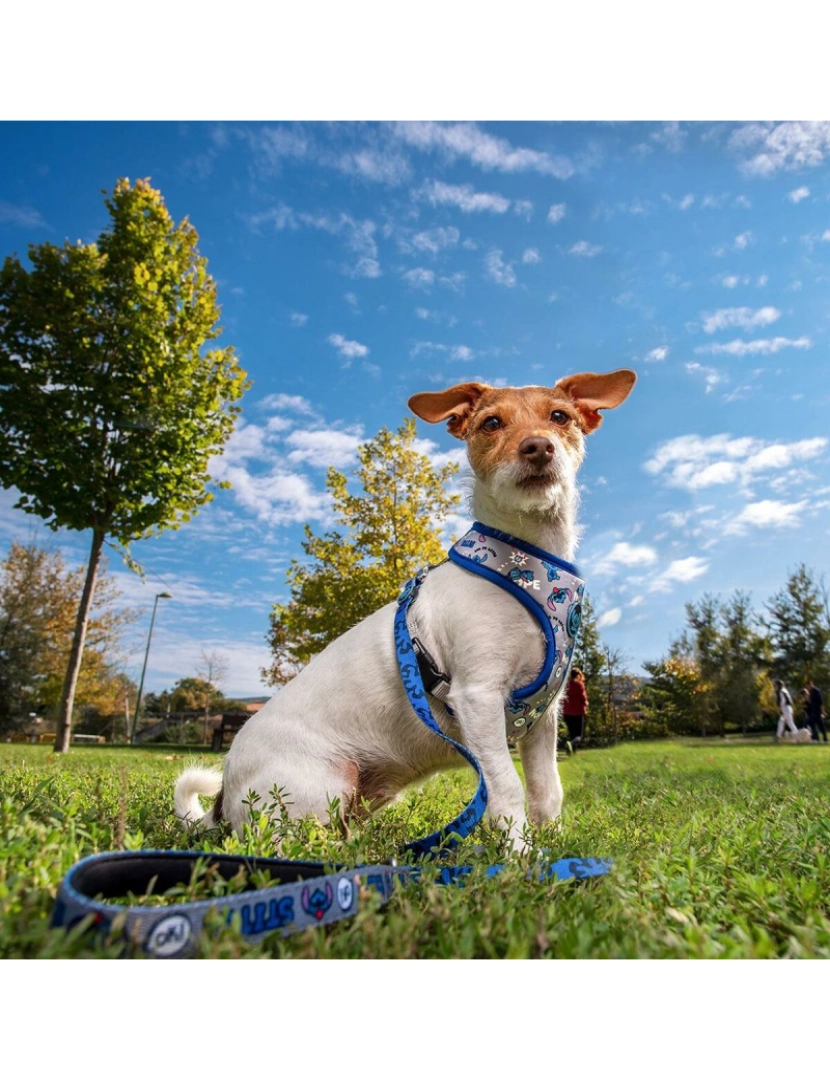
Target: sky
[{"x": 359, "y": 263}]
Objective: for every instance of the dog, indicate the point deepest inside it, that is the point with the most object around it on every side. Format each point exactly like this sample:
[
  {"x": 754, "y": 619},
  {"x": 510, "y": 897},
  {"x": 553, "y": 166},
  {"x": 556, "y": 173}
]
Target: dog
[
  {"x": 801, "y": 735},
  {"x": 342, "y": 729}
]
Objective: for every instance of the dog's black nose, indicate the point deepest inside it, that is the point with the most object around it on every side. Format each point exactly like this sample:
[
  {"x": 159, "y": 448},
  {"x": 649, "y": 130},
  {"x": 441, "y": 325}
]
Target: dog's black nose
[{"x": 537, "y": 450}]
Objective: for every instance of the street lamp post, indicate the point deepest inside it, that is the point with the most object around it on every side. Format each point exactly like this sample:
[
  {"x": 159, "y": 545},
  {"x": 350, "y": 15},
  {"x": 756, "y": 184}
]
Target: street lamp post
[{"x": 159, "y": 596}]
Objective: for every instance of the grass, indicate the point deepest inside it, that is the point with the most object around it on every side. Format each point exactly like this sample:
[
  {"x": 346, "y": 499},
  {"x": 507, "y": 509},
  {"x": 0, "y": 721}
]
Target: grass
[{"x": 720, "y": 849}]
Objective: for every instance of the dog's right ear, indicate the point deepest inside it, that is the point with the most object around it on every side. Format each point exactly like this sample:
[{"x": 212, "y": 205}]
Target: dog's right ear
[{"x": 456, "y": 405}]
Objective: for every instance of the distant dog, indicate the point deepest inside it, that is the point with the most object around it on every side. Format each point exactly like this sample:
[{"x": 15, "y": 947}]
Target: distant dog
[
  {"x": 343, "y": 727},
  {"x": 802, "y": 735}
]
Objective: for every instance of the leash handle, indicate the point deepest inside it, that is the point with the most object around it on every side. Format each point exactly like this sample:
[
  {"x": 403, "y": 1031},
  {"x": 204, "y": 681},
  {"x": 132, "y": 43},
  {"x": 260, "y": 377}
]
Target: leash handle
[{"x": 308, "y": 894}]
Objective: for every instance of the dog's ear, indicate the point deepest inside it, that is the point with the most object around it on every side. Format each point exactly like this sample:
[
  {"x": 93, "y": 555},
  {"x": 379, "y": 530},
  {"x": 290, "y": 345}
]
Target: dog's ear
[
  {"x": 591, "y": 392},
  {"x": 455, "y": 405}
]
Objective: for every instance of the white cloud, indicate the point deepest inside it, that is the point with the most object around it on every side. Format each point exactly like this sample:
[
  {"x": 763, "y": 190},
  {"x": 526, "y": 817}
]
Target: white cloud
[
  {"x": 671, "y": 136},
  {"x": 23, "y": 217},
  {"x": 524, "y": 208},
  {"x": 743, "y": 317},
  {"x": 287, "y": 403},
  {"x": 680, "y": 571},
  {"x": 711, "y": 376},
  {"x": 768, "y": 148},
  {"x": 759, "y": 347},
  {"x": 799, "y": 193},
  {"x": 347, "y": 349},
  {"x": 695, "y": 462},
  {"x": 768, "y": 514},
  {"x": 556, "y": 213},
  {"x": 464, "y": 197},
  {"x": 656, "y": 355},
  {"x": 531, "y": 255},
  {"x": 486, "y": 151},
  {"x": 298, "y": 319},
  {"x": 420, "y": 278},
  {"x": 609, "y": 618},
  {"x": 743, "y": 240},
  {"x": 435, "y": 240},
  {"x": 498, "y": 270},
  {"x": 584, "y": 249},
  {"x": 625, "y": 554},
  {"x": 323, "y": 448}
]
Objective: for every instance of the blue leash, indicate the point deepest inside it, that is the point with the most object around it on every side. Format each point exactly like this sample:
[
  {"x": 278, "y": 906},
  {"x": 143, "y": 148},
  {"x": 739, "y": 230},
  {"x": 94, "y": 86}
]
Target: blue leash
[{"x": 309, "y": 893}]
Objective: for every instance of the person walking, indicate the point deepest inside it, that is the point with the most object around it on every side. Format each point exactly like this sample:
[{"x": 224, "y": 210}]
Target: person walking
[
  {"x": 575, "y": 708},
  {"x": 815, "y": 711},
  {"x": 785, "y": 709}
]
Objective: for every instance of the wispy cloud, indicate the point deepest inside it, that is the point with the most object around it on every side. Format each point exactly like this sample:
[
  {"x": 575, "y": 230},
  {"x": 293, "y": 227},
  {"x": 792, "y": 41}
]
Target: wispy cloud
[
  {"x": 584, "y": 249},
  {"x": 767, "y": 514},
  {"x": 347, "y": 349},
  {"x": 625, "y": 554},
  {"x": 556, "y": 213},
  {"x": 654, "y": 356},
  {"x": 711, "y": 376},
  {"x": 696, "y": 462},
  {"x": 23, "y": 217},
  {"x": 769, "y": 148},
  {"x": 498, "y": 270},
  {"x": 435, "y": 240},
  {"x": 487, "y": 152},
  {"x": 743, "y": 317},
  {"x": 324, "y": 448},
  {"x": 609, "y": 618},
  {"x": 465, "y": 197},
  {"x": 758, "y": 347},
  {"x": 679, "y": 572},
  {"x": 799, "y": 193}
]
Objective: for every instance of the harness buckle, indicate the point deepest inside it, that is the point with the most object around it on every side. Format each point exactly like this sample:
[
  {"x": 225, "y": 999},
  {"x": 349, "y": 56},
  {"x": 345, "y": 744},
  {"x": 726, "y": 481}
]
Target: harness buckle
[{"x": 436, "y": 682}]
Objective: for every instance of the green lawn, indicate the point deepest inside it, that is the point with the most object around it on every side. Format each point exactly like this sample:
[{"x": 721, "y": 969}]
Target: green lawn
[{"x": 720, "y": 850}]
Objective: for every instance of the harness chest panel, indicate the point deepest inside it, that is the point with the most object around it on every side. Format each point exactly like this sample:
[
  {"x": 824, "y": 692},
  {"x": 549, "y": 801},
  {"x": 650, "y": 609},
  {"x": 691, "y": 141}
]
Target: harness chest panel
[{"x": 551, "y": 590}]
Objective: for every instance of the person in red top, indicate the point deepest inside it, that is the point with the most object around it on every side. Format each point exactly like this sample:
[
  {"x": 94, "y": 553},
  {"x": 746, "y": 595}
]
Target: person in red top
[{"x": 575, "y": 707}]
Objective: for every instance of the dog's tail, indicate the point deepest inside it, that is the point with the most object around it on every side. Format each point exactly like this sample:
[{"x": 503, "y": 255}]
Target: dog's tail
[{"x": 191, "y": 784}]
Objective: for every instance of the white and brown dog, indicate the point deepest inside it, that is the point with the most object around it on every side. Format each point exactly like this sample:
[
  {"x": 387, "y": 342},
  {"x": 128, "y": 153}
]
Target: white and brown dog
[{"x": 343, "y": 728}]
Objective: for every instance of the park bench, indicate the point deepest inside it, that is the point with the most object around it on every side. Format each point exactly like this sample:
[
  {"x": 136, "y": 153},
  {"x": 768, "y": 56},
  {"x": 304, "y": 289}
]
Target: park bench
[{"x": 228, "y": 726}]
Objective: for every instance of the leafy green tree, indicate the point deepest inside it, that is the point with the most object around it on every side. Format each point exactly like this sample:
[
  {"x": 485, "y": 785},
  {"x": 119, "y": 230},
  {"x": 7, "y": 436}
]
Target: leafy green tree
[
  {"x": 110, "y": 408},
  {"x": 715, "y": 675},
  {"x": 799, "y": 630},
  {"x": 38, "y": 600},
  {"x": 390, "y": 530},
  {"x": 671, "y": 695}
]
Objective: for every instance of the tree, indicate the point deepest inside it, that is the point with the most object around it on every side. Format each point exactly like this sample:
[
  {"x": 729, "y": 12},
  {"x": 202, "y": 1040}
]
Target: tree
[
  {"x": 715, "y": 675},
  {"x": 391, "y": 531},
  {"x": 213, "y": 670},
  {"x": 109, "y": 408},
  {"x": 38, "y": 600},
  {"x": 799, "y": 630}
]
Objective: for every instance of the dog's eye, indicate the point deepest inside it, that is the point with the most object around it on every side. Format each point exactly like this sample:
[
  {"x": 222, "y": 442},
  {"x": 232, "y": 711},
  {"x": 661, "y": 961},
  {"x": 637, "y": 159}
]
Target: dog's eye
[
  {"x": 492, "y": 423},
  {"x": 560, "y": 418}
]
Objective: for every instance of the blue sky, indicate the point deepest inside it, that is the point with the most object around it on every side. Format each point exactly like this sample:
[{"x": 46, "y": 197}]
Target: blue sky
[{"x": 360, "y": 263}]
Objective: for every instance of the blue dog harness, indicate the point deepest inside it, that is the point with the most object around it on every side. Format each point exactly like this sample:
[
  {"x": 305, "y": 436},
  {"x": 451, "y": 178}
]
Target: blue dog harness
[
  {"x": 551, "y": 590},
  {"x": 315, "y": 894}
]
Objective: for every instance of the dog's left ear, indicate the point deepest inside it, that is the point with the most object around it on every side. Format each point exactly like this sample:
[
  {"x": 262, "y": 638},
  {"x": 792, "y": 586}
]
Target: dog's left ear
[{"x": 591, "y": 392}]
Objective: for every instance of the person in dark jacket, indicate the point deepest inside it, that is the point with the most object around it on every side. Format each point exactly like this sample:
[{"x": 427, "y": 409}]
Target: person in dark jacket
[
  {"x": 815, "y": 711},
  {"x": 575, "y": 708}
]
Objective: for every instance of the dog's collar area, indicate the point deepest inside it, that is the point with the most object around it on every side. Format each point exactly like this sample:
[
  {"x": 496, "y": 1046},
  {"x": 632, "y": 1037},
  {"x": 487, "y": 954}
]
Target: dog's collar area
[{"x": 550, "y": 588}]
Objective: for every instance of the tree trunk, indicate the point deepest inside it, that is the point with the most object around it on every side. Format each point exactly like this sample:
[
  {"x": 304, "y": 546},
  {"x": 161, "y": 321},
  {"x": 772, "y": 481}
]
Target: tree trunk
[{"x": 76, "y": 654}]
